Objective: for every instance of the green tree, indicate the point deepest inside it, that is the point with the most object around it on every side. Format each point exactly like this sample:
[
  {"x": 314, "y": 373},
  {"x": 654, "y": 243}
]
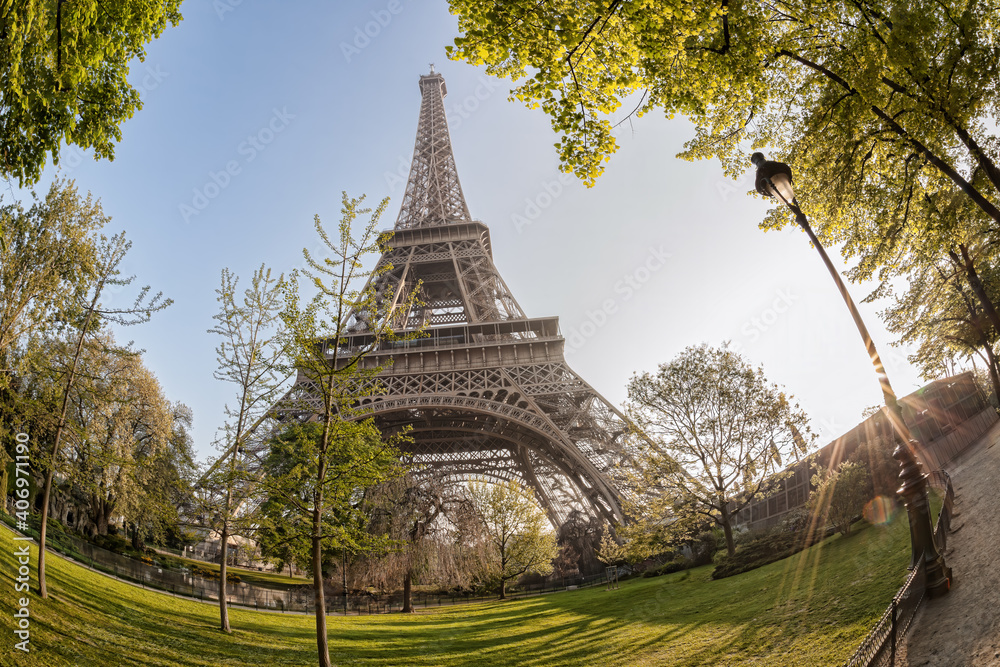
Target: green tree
[
  {"x": 118, "y": 429},
  {"x": 939, "y": 314},
  {"x": 89, "y": 315},
  {"x": 610, "y": 552},
  {"x": 64, "y": 75},
  {"x": 884, "y": 107},
  {"x": 336, "y": 372},
  {"x": 251, "y": 356},
  {"x": 875, "y": 454},
  {"x": 519, "y": 539},
  {"x": 718, "y": 436},
  {"x": 47, "y": 253},
  {"x": 169, "y": 493},
  {"x": 307, "y": 518},
  {"x": 924, "y": 73},
  {"x": 840, "y": 495}
]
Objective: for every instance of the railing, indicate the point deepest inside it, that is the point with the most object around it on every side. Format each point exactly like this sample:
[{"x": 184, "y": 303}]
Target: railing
[
  {"x": 300, "y": 598},
  {"x": 941, "y": 480},
  {"x": 880, "y": 646}
]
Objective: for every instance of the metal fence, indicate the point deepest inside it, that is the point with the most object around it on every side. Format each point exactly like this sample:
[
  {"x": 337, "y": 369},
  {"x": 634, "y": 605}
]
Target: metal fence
[
  {"x": 881, "y": 645},
  {"x": 299, "y": 598},
  {"x": 941, "y": 480}
]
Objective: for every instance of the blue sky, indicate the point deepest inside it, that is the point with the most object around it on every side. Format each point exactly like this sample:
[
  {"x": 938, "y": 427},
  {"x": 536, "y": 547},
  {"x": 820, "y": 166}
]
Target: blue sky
[{"x": 257, "y": 115}]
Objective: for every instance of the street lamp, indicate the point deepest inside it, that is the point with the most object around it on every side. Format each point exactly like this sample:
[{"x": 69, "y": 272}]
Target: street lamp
[{"x": 774, "y": 179}]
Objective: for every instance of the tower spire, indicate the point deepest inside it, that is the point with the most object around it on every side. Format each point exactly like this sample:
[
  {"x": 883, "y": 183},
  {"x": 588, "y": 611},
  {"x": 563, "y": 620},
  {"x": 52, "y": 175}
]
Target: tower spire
[{"x": 433, "y": 194}]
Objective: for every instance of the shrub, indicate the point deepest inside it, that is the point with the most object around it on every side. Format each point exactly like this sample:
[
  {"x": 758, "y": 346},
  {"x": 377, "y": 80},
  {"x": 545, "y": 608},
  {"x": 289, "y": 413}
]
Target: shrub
[
  {"x": 204, "y": 572},
  {"x": 704, "y": 548},
  {"x": 757, "y": 549},
  {"x": 796, "y": 519},
  {"x": 112, "y": 543},
  {"x": 841, "y": 495},
  {"x": 676, "y": 565}
]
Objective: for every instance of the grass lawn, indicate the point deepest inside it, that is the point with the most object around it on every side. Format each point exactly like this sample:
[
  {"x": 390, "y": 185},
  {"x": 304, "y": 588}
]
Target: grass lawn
[{"x": 811, "y": 609}]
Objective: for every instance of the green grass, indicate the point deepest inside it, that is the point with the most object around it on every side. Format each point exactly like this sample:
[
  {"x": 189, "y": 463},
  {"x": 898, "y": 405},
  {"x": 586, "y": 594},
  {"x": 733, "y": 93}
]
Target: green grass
[{"x": 811, "y": 609}]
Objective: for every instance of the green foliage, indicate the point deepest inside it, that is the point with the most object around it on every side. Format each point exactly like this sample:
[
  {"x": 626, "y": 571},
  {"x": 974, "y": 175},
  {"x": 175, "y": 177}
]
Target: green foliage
[
  {"x": 943, "y": 318},
  {"x": 883, "y": 470},
  {"x": 886, "y": 112},
  {"x": 840, "y": 495},
  {"x": 64, "y": 75},
  {"x": 882, "y": 100},
  {"x": 610, "y": 552},
  {"x": 675, "y": 564},
  {"x": 355, "y": 458},
  {"x": 703, "y": 548},
  {"x": 47, "y": 256},
  {"x": 212, "y": 574}
]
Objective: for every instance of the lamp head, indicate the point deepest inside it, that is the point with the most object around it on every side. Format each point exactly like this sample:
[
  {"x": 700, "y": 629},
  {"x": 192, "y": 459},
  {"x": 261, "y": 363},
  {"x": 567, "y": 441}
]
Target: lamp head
[{"x": 774, "y": 179}]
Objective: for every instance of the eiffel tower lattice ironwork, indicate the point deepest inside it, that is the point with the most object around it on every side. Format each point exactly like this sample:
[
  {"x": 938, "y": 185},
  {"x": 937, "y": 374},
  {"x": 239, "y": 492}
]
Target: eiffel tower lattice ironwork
[{"x": 487, "y": 393}]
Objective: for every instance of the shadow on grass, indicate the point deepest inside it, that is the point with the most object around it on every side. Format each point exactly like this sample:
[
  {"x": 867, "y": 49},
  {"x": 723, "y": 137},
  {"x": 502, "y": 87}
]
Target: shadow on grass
[
  {"x": 812, "y": 608},
  {"x": 825, "y": 598}
]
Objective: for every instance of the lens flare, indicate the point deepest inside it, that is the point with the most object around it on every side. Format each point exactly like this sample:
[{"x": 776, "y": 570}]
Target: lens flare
[{"x": 879, "y": 510}]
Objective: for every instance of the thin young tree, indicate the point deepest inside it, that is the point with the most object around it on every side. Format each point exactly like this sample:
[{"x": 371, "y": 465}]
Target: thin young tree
[
  {"x": 90, "y": 314},
  {"x": 251, "y": 356},
  {"x": 346, "y": 299}
]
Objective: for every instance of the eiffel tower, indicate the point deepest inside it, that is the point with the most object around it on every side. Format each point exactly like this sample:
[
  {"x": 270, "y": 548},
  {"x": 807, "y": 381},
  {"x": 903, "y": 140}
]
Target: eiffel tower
[{"x": 487, "y": 392}]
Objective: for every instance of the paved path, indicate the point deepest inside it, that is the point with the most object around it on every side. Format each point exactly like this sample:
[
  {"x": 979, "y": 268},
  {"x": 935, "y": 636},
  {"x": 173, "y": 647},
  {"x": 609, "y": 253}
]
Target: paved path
[{"x": 962, "y": 629}]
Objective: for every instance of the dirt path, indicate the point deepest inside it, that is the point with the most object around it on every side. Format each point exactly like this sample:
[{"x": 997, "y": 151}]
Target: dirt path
[{"x": 963, "y": 627}]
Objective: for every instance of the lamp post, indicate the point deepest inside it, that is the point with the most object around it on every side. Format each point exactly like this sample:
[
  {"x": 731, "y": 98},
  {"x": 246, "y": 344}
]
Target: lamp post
[{"x": 774, "y": 179}]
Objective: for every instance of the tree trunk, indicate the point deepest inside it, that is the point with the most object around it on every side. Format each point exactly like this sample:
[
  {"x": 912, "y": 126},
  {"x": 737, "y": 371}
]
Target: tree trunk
[
  {"x": 47, "y": 491},
  {"x": 991, "y": 362},
  {"x": 726, "y": 522},
  {"x": 343, "y": 575},
  {"x": 224, "y": 556},
  {"x": 137, "y": 542},
  {"x": 408, "y": 591},
  {"x": 322, "y": 644},
  {"x": 103, "y": 518},
  {"x": 977, "y": 285},
  {"x": 503, "y": 589}
]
